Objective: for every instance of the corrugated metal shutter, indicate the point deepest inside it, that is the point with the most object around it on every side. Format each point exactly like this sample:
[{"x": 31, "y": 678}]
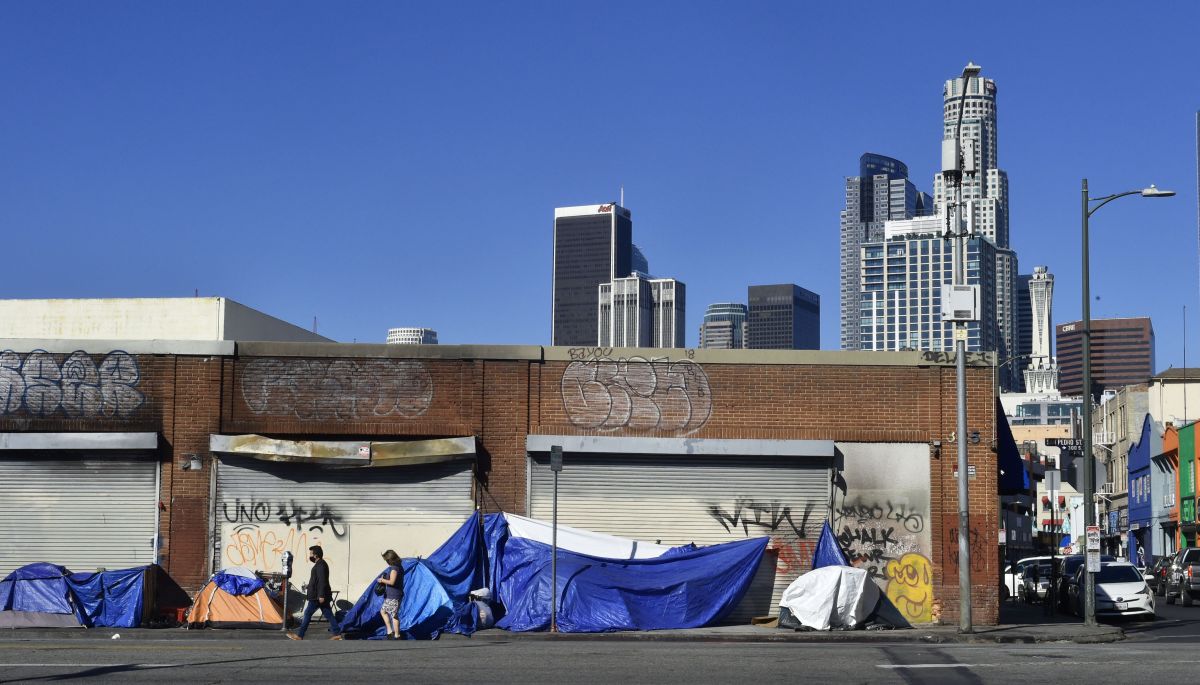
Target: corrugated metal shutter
[
  {"x": 705, "y": 500},
  {"x": 263, "y": 508},
  {"x": 80, "y": 512}
]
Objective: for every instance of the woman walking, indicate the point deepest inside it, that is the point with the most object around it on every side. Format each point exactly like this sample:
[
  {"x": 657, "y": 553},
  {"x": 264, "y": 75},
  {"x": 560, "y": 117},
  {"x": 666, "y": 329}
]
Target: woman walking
[{"x": 392, "y": 581}]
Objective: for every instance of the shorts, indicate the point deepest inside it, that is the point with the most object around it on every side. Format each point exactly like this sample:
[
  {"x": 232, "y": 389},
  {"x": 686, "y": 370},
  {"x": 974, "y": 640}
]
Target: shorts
[{"x": 390, "y": 606}]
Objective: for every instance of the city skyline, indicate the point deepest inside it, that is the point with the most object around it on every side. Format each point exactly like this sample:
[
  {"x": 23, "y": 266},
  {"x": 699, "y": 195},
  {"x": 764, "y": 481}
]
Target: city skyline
[{"x": 283, "y": 166}]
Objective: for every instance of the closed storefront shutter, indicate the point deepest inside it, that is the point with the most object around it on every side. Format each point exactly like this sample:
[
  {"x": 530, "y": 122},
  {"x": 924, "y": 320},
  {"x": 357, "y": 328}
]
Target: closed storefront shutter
[
  {"x": 264, "y": 508},
  {"x": 696, "y": 499},
  {"x": 83, "y": 512}
]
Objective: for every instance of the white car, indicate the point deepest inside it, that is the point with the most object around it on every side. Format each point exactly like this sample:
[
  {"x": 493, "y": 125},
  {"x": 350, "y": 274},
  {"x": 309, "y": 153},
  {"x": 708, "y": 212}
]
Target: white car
[
  {"x": 1014, "y": 576},
  {"x": 1121, "y": 590}
]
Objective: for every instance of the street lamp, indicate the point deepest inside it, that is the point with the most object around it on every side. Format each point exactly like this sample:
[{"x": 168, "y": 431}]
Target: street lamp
[
  {"x": 1089, "y": 481},
  {"x": 953, "y": 166}
]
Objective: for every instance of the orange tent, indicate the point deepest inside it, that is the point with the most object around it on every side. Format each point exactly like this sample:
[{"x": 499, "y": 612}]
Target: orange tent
[{"x": 235, "y": 598}]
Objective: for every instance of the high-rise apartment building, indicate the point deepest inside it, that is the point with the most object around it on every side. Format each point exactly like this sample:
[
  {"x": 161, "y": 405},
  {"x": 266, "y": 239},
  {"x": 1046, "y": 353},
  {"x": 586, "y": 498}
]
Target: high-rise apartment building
[
  {"x": 1024, "y": 316},
  {"x": 593, "y": 244},
  {"x": 1122, "y": 353},
  {"x": 1041, "y": 372},
  {"x": 412, "y": 336},
  {"x": 881, "y": 192},
  {"x": 984, "y": 195},
  {"x": 724, "y": 326},
  {"x": 901, "y": 289},
  {"x": 641, "y": 312},
  {"x": 783, "y": 317}
]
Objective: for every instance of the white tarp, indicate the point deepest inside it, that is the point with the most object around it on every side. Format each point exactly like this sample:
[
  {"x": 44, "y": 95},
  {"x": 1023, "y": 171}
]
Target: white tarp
[
  {"x": 584, "y": 541},
  {"x": 831, "y": 597}
]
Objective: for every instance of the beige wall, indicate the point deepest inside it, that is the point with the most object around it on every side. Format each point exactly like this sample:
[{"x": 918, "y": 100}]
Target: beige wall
[{"x": 174, "y": 318}]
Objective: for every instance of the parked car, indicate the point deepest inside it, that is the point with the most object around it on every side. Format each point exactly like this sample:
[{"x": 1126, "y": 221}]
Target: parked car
[
  {"x": 1184, "y": 577},
  {"x": 1158, "y": 574},
  {"x": 1011, "y": 586},
  {"x": 1068, "y": 565},
  {"x": 1035, "y": 583},
  {"x": 1120, "y": 591}
]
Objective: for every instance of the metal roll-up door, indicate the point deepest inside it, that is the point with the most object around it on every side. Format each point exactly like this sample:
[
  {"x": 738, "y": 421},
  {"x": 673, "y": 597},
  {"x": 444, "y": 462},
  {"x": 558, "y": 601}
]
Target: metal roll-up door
[
  {"x": 83, "y": 512},
  {"x": 264, "y": 508},
  {"x": 698, "y": 499}
]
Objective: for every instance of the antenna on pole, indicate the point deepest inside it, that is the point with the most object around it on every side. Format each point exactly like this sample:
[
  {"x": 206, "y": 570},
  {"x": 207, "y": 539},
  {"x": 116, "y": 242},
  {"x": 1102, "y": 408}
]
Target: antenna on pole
[
  {"x": 622, "y": 202},
  {"x": 314, "y": 324}
]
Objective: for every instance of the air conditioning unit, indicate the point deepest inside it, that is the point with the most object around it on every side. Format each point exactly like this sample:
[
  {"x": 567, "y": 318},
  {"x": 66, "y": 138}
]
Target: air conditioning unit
[{"x": 960, "y": 302}]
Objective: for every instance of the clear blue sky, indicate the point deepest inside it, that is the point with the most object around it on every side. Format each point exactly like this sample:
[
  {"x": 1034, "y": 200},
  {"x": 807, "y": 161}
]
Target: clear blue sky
[{"x": 387, "y": 164}]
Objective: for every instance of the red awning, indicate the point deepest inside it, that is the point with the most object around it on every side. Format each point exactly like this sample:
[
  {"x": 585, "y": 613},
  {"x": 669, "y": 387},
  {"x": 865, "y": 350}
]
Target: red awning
[
  {"x": 1062, "y": 501},
  {"x": 1046, "y": 499}
]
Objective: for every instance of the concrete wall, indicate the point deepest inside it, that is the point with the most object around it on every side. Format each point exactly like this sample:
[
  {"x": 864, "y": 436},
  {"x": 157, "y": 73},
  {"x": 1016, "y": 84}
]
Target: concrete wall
[{"x": 165, "y": 318}]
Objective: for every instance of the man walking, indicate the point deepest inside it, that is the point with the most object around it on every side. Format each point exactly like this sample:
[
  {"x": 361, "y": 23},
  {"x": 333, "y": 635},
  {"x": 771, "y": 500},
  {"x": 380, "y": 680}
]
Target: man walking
[{"x": 320, "y": 596}]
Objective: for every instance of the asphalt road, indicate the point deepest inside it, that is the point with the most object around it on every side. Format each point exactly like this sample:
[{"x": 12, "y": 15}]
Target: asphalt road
[{"x": 1152, "y": 647}]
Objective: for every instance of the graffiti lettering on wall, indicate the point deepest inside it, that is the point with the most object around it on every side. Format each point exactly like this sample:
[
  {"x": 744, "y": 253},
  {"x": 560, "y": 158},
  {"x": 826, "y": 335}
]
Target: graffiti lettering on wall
[
  {"x": 910, "y": 587},
  {"x": 313, "y": 389},
  {"x": 638, "y": 394},
  {"x": 875, "y": 533},
  {"x": 79, "y": 387},
  {"x": 973, "y": 358},
  {"x": 975, "y": 545},
  {"x": 766, "y": 517},
  {"x": 318, "y": 518}
]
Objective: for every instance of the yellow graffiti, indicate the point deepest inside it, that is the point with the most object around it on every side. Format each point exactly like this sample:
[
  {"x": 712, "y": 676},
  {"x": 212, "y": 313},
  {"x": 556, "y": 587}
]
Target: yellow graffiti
[
  {"x": 910, "y": 587},
  {"x": 260, "y": 550}
]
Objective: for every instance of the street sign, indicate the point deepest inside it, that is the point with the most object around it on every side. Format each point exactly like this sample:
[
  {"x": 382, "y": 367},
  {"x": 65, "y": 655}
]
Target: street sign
[
  {"x": 1053, "y": 480},
  {"x": 1076, "y": 443},
  {"x": 1093, "y": 538},
  {"x": 556, "y": 458}
]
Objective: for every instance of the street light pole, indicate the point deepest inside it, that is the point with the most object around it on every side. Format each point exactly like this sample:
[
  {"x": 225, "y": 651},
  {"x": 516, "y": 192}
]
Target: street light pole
[{"x": 1089, "y": 481}]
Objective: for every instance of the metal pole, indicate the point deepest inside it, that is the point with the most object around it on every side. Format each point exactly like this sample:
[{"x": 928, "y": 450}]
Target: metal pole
[
  {"x": 554, "y": 561},
  {"x": 1089, "y": 480},
  {"x": 964, "y": 514}
]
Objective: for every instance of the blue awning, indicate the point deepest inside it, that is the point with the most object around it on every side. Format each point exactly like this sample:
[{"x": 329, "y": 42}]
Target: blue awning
[{"x": 1013, "y": 478}]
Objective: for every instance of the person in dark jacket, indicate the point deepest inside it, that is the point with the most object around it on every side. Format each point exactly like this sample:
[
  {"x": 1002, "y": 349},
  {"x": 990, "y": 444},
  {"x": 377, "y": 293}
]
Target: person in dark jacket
[{"x": 320, "y": 596}]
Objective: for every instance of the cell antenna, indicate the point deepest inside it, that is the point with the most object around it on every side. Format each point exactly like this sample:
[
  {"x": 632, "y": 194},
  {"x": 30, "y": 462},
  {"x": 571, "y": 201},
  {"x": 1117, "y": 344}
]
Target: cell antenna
[{"x": 622, "y": 203}]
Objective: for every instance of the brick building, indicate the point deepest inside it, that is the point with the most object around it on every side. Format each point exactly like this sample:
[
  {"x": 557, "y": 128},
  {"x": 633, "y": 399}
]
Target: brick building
[{"x": 201, "y": 455}]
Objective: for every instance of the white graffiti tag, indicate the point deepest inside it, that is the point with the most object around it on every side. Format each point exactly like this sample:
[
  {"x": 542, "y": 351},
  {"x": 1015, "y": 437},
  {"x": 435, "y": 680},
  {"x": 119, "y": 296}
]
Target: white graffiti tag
[
  {"x": 638, "y": 394},
  {"x": 38, "y": 385},
  {"x": 312, "y": 389}
]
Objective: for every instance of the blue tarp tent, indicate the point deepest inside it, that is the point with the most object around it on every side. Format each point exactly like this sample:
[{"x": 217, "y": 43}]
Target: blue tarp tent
[
  {"x": 690, "y": 588},
  {"x": 48, "y": 595},
  {"x": 434, "y": 589},
  {"x": 828, "y": 552}
]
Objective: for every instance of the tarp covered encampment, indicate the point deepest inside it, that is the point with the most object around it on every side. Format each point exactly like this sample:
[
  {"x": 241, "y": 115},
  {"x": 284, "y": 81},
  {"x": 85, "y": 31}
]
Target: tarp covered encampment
[
  {"x": 37, "y": 596},
  {"x": 235, "y": 598},
  {"x": 435, "y": 589},
  {"x": 680, "y": 588},
  {"x": 831, "y": 597},
  {"x": 110, "y": 599}
]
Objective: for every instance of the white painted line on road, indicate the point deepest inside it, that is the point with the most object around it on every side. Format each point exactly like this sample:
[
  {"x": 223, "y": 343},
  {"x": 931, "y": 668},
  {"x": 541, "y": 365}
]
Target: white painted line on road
[
  {"x": 937, "y": 665},
  {"x": 88, "y": 665}
]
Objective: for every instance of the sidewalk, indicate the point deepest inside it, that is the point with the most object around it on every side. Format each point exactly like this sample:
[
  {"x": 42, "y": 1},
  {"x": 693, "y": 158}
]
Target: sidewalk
[{"x": 1015, "y": 633}]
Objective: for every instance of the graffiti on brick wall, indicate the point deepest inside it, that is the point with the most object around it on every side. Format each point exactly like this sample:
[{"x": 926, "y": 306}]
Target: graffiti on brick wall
[
  {"x": 976, "y": 547},
  {"x": 910, "y": 587},
  {"x": 637, "y": 394},
  {"x": 875, "y": 533},
  {"x": 341, "y": 389},
  {"x": 256, "y": 532},
  {"x": 78, "y": 387}
]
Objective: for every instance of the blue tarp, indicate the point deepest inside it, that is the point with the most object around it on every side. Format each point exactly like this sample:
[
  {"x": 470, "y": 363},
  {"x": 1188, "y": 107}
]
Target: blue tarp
[
  {"x": 37, "y": 587},
  {"x": 689, "y": 589},
  {"x": 237, "y": 585},
  {"x": 109, "y": 599},
  {"x": 459, "y": 562},
  {"x": 423, "y": 612},
  {"x": 828, "y": 553}
]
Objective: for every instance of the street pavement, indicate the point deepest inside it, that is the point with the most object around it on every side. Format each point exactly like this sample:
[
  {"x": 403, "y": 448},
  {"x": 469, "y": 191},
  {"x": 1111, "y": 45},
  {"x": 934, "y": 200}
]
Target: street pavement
[{"x": 231, "y": 657}]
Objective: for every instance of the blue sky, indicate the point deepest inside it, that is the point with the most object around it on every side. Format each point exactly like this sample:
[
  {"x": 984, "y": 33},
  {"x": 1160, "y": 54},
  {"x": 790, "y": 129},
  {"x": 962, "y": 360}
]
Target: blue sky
[{"x": 387, "y": 164}]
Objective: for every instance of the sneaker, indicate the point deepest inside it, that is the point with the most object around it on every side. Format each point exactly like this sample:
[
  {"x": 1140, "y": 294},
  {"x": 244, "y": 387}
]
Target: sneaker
[{"x": 293, "y": 636}]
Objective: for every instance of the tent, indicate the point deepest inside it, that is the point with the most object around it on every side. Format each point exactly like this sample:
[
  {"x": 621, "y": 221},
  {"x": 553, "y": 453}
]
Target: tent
[
  {"x": 435, "y": 590},
  {"x": 681, "y": 587},
  {"x": 37, "y": 596},
  {"x": 837, "y": 598},
  {"x": 45, "y": 595},
  {"x": 235, "y": 598}
]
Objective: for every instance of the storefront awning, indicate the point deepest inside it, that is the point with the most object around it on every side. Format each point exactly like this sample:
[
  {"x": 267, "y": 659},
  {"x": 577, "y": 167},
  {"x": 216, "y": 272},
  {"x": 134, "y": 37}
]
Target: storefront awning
[
  {"x": 363, "y": 454},
  {"x": 78, "y": 441}
]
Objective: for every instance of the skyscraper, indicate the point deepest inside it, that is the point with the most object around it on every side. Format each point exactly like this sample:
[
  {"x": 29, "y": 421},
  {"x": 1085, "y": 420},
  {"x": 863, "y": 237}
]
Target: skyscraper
[
  {"x": 783, "y": 317},
  {"x": 1122, "y": 353},
  {"x": 1024, "y": 316},
  {"x": 1041, "y": 373},
  {"x": 984, "y": 193},
  {"x": 593, "y": 244},
  {"x": 638, "y": 262},
  {"x": 641, "y": 312},
  {"x": 901, "y": 289},
  {"x": 879, "y": 193},
  {"x": 724, "y": 326},
  {"x": 412, "y": 336}
]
